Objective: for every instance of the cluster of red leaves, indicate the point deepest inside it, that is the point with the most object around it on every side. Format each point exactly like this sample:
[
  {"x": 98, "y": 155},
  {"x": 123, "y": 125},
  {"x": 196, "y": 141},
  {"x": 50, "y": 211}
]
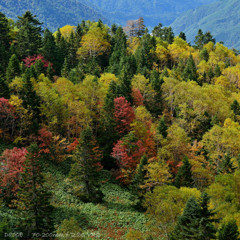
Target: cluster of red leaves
[
  {"x": 72, "y": 146},
  {"x": 128, "y": 155},
  {"x": 174, "y": 166},
  {"x": 7, "y": 111},
  {"x": 137, "y": 97},
  {"x": 31, "y": 60},
  {"x": 53, "y": 147},
  {"x": 12, "y": 165},
  {"x": 124, "y": 114},
  {"x": 45, "y": 139}
]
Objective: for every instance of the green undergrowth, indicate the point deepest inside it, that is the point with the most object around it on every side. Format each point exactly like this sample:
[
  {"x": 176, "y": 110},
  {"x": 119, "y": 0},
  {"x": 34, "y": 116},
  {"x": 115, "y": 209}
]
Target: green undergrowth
[{"x": 111, "y": 219}]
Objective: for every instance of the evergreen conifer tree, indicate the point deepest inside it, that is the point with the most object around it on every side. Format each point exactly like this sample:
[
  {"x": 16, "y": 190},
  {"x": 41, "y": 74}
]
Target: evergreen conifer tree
[
  {"x": 31, "y": 100},
  {"x": 72, "y": 50},
  {"x": 199, "y": 39},
  {"x": 210, "y": 74},
  {"x": 228, "y": 231},
  {"x": 32, "y": 198},
  {"x": 144, "y": 58},
  {"x": 235, "y": 107},
  {"x": 196, "y": 222},
  {"x": 227, "y": 165},
  {"x": 85, "y": 168},
  {"x": 4, "y": 89},
  {"x": 39, "y": 67},
  {"x": 13, "y": 68},
  {"x": 184, "y": 175},
  {"x": 65, "y": 69},
  {"x": 107, "y": 131},
  {"x": 156, "y": 81},
  {"x": 182, "y": 35},
  {"x": 29, "y": 39},
  {"x": 119, "y": 43},
  {"x": 206, "y": 228},
  {"x": 162, "y": 127},
  {"x": 190, "y": 71},
  {"x": 4, "y": 43},
  {"x": 202, "y": 39},
  {"x": 204, "y": 55},
  {"x": 50, "y": 72},
  {"x": 125, "y": 77},
  {"x": 49, "y": 50},
  {"x": 138, "y": 180},
  {"x": 217, "y": 71}
]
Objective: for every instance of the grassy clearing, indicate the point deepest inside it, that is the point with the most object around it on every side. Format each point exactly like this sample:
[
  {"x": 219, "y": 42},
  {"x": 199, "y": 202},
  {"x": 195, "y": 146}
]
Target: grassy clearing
[{"x": 111, "y": 219}]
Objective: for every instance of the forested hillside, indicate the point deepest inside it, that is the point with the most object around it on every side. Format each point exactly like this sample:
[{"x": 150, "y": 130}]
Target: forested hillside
[
  {"x": 58, "y": 13},
  {"x": 221, "y": 18},
  {"x": 108, "y": 133},
  {"x": 54, "y": 14}
]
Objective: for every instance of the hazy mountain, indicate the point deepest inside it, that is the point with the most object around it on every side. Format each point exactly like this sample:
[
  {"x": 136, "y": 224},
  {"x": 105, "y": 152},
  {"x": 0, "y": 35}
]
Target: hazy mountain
[
  {"x": 54, "y": 13},
  {"x": 153, "y": 11},
  {"x": 221, "y": 18},
  {"x": 58, "y": 13}
]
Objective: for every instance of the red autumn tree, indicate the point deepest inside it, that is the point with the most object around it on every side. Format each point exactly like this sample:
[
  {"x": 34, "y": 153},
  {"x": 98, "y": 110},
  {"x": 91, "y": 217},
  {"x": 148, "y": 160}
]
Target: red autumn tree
[
  {"x": 31, "y": 60},
  {"x": 124, "y": 115},
  {"x": 50, "y": 146},
  {"x": 53, "y": 147},
  {"x": 137, "y": 97},
  {"x": 7, "y": 117},
  {"x": 128, "y": 152},
  {"x": 12, "y": 165}
]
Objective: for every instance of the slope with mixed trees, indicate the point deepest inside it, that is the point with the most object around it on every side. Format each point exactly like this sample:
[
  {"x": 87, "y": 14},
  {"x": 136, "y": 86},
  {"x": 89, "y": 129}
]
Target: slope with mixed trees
[
  {"x": 221, "y": 18},
  {"x": 106, "y": 134}
]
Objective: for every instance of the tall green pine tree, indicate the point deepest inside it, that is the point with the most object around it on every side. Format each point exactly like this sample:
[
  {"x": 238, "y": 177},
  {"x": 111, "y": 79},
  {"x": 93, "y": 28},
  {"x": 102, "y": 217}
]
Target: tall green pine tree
[
  {"x": 13, "y": 68},
  {"x": 4, "y": 43},
  {"x": 228, "y": 231},
  {"x": 33, "y": 199},
  {"x": 190, "y": 71},
  {"x": 4, "y": 89},
  {"x": 184, "y": 175},
  {"x": 84, "y": 169},
  {"x": 29, "y": 39},
  {"x": 196, "y": 222},
  {"x": 162, "y": 127}
]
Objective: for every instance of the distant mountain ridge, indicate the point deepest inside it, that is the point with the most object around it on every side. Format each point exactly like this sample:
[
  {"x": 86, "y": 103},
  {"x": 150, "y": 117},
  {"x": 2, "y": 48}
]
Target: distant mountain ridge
[
  {"x": 58, "y": 13},
  {"x": 221, "y": 18},
  {"x": 53, "y": 14},
  {"x": 153, "y": 11}
]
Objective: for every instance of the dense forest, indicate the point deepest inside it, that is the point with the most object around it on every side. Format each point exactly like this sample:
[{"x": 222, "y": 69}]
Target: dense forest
[
  {"x": 116, "y": 133},
  {"x": 54, "y": 14}
]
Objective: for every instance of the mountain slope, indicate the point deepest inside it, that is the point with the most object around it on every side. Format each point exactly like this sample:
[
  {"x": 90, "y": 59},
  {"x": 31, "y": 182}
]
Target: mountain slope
[
  {"x": 220, "y": 18},
  {"x": 153, "y": 11},
  {"x": 54, "y": 14}
]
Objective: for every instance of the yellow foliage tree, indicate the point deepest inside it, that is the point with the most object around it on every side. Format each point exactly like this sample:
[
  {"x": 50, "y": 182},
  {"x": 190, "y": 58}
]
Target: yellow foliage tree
[{"x": 95, "y": 42}]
